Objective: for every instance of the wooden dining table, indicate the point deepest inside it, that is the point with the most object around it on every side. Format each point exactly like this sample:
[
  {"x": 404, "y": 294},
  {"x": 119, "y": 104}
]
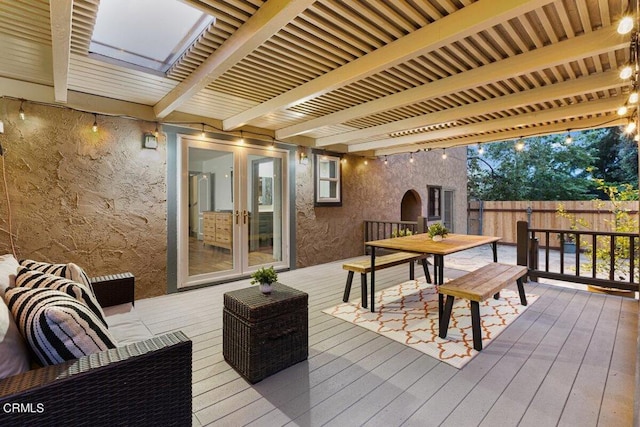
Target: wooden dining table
[{"x": 423, "y": 244}]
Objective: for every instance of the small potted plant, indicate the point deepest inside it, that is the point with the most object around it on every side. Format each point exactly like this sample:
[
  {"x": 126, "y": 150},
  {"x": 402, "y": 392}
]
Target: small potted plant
[
  {"x": 437, "y": 232},
  {"x": 401, "y": 232},
  {"x": 265, "y": 276}
]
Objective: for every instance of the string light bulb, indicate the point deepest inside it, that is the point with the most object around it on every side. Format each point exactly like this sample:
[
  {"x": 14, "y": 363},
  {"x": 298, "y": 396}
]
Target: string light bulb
[
  {"x": 444, "y": 154},
  {"x": 568, "y": 140},
  {"x": 631, "y": 126},
  {"x": 203, "y": 134},
  {"x": 94, "y": 128},
  {"x": 241, "y": 140},
  {"x": 21, "y": 111},
  {"x": 411, "y": 158},
  {"x": 626, "y": 72},
  {"x": 156, "y": 132},
  {"x": 366, "y": 162},
  {"x": 633, "y": 96},
  {"x": 622, "y": 111},
  {"x": 480, "y": 149},
  {"x": 385, "y": 160},
  {"x": 625, "y": 25},
  {"x": 520, "y": 144}
]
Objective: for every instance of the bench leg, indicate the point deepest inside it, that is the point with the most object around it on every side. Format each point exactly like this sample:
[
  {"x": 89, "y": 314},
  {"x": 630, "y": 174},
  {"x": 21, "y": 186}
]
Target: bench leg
[
  {"x": 523, "y": 297},
  {"x": 475, "y": 325},
  {"x": 412, "y": 271},
  {"x": 363, "y": 289},
  {"x": 347, "y": 287},
  {"x": 426, "y": 270},
  {"x": 445, "y": 314}
]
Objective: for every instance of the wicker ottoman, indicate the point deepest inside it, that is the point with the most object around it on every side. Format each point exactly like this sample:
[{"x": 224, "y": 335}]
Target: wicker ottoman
[{"x": 263, "y": 334}]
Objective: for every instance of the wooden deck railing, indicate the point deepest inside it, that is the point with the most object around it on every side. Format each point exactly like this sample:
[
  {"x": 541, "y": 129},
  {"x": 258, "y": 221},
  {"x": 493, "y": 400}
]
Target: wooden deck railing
[
  {"x": 621, "y": 273},
  {"x": 377, "y": 230}
]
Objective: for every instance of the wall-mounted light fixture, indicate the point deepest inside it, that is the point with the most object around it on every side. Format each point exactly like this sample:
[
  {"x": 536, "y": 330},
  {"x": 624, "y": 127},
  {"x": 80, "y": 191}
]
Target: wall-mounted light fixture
[
  {"x": 304, "y": 159},
  {"x": 150, "y": 141}
]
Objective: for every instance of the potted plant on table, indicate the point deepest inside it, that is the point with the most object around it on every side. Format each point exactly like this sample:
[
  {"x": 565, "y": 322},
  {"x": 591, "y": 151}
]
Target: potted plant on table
[
  {"x": 401, "y": 232},
  {"x": 265, "y": 276},
  {"x": 437, "y": 232}
]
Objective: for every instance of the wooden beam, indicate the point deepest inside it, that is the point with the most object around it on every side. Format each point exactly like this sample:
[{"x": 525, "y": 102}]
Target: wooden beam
[
  {"x": 567, "y": 89},
  {"x": 61, "y": 12},
  {"x": 591, "y": 44},
  {"x": 466, "y": 22},
  {"x": 605, "y": 105},
  {"x": 267, "y": 21},
  {"x": 551, "y": 129}
]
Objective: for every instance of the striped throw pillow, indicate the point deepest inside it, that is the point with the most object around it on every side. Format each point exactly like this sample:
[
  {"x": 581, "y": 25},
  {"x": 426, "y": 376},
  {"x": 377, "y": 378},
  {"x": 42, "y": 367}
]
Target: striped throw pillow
[
  {"x": 36, "y": 279},
  {"x": 56, "y": 326},
  {"x": 69, "y": 271}
]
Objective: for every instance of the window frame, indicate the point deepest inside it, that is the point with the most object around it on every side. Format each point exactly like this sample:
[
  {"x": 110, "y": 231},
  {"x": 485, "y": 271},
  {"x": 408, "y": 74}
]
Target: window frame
[
  {"x": 317, "y": 180},
  {"x": 434, "y": 209}
]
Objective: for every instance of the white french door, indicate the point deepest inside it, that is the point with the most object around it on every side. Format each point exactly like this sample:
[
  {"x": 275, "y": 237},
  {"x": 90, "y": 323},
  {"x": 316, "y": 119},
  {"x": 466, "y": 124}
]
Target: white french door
[{"x": 244, "y": 223}]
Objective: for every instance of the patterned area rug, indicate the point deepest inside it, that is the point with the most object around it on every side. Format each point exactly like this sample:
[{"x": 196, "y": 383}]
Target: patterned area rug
[{"x": 408, "y": 313}]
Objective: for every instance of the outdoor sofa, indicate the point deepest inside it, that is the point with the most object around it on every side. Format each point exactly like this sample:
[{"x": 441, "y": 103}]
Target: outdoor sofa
[{"x": 145, "y": 382}]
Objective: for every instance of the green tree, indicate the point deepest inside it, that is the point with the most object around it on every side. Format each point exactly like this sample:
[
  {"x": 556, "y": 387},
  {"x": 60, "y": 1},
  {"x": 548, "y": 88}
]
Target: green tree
[
  {"x": 546, "y": 169},
  {"x": 616, "y": 157}
]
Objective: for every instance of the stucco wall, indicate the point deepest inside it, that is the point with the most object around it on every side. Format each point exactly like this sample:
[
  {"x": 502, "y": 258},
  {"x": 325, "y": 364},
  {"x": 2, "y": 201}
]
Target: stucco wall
[
  {"x": 96, "y": 199},
  {"x": 100, "y": 199},
  {"x": 373, "y": 191}
]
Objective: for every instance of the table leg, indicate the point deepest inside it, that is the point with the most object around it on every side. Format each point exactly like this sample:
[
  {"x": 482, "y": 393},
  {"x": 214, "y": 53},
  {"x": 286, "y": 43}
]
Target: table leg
[
  {"x": 494, "y": 247},
  {"x": 439, "y": 259},
  {"x": 373, "y": 279}
]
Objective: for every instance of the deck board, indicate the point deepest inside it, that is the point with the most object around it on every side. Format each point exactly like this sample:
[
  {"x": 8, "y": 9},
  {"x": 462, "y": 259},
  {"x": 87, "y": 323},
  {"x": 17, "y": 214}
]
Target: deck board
[{"x": 569, "y": 359}]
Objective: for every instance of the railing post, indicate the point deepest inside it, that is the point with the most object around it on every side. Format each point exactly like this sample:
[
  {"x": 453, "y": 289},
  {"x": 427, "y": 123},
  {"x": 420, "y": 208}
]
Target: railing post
[
  {"x": 422, "y": 225},
  {"x": 522, "y": 239}
]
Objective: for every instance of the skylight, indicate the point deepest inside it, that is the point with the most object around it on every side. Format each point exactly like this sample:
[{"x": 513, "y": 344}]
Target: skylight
[{"x": 147, "y": 33}]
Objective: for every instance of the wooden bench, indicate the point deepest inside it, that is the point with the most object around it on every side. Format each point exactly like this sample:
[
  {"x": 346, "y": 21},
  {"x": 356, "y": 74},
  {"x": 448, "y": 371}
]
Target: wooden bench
[
  {"x": 478, "y": 286},
  {"x": 385, "y": 261}
]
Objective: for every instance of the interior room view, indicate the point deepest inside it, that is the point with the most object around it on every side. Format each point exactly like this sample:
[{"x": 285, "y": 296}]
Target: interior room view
[{"x": 255, "y": 212}]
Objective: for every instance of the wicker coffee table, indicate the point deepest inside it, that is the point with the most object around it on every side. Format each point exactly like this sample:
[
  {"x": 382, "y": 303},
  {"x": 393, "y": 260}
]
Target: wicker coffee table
[{"x": 263, "y": 334}]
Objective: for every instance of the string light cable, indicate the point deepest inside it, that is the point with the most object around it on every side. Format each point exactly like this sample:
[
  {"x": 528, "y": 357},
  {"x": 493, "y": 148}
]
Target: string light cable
[
  {"x": 262, "y": 136},
  {"x": 6, "y": 192}
]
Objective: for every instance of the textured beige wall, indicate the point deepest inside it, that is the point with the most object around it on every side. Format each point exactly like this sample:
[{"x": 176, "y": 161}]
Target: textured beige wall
[
  {"x": 100, "y": 199},
  {"x": 96, "y": 199},
  {"x": 373, "y": 191}
]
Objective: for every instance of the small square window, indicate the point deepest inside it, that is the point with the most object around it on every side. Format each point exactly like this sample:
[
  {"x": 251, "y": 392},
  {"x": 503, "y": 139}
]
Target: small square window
[{"x": 328, "y": 185}]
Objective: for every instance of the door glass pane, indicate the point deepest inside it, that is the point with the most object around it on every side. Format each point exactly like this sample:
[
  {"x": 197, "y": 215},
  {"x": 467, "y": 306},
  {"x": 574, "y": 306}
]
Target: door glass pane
[
  {"x": 210, "y": 211},
  {"x": 264, "y": 205}
]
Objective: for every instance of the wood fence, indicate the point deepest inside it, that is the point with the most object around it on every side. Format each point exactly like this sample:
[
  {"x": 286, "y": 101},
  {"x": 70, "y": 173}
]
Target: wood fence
[{"x": 500, "y": 218}]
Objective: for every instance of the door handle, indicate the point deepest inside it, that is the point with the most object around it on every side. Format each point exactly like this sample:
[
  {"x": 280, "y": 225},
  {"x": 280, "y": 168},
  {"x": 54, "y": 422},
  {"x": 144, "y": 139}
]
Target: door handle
[
  {"x": 245, "y": 215},
  {"x": 237, "y": 215}
]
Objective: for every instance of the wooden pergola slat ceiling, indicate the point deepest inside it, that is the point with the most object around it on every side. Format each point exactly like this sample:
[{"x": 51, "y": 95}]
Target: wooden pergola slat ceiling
[{"x": 375, "y": 77}]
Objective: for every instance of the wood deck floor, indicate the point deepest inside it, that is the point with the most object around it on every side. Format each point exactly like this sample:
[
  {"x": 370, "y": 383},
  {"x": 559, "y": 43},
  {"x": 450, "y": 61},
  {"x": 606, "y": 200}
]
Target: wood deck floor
[{"x": 569, "y": 360}]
